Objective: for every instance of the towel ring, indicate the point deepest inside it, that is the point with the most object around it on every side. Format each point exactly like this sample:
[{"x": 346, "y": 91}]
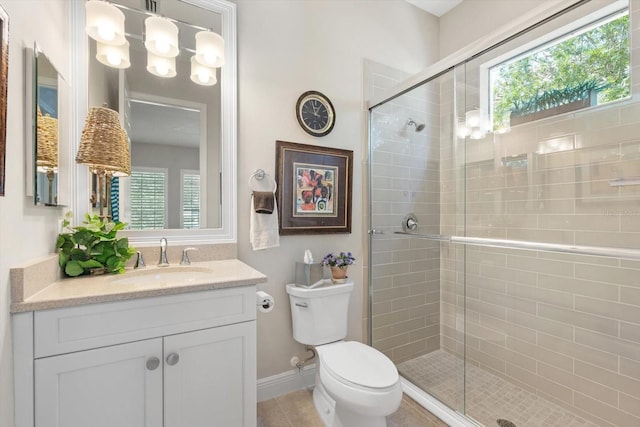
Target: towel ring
[{"x": 257, "y": 181}]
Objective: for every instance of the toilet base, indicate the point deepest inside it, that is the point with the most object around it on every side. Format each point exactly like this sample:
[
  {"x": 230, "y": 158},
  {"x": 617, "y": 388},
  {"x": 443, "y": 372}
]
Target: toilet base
[{"x": 337, "y": 416}]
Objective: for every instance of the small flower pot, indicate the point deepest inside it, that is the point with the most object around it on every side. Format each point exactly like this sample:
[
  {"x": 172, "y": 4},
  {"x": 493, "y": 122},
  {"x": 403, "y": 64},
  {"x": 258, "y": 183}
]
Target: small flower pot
[{"x": 338, "y": 274}]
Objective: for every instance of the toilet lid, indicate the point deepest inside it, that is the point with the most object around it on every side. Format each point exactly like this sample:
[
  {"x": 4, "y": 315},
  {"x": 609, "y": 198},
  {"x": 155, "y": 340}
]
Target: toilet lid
[{"x": 359, "y": 364}]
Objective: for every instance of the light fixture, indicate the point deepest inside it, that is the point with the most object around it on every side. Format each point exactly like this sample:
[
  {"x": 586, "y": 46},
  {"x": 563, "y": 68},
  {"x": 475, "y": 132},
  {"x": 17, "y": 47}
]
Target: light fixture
[
  {"x": 161, "y": 37},
  {"x": 105, "y": 22},
  {"x": 161, "y": 66},
  {"x": 209, "y": 49},
  {"x": 104, "y": 147},
  {"x": 113, "y": 56},
  {"x": 473, "y": 126},
  {"x": 47, "y": 150},
  {"x": 202, "y": 75}
]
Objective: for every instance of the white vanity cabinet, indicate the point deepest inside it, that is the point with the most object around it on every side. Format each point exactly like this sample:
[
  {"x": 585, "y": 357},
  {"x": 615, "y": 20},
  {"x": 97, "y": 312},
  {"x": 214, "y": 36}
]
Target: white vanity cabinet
[{"x": 184, "y": 360}]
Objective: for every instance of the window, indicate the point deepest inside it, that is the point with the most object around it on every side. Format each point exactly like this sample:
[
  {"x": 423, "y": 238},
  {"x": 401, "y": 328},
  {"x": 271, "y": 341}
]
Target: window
[
  {"x": 148, "y": 198},
  {"x": 584, "y": 67},
  {"x": 190, "y": 199}
]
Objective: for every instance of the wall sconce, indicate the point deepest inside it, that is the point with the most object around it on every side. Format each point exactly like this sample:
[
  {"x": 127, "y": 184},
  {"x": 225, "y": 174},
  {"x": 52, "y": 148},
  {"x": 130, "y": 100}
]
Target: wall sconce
[
  {"x": 104, "y": 147},
  {"x": 202, "y": 75},
  {"x": 105, "y": 22},
  {"x": 47, "y": 150},
  {"x": 161, "y": 66},
  {"x": 161, "y": 37},
  {"x": 113, "y": 56},
  {"x": 209, "y": 49}
]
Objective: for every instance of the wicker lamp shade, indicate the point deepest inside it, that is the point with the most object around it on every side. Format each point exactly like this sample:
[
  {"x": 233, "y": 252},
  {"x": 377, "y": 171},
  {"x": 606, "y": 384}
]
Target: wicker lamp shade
[
  {"x": 104, "y": 145},
  {"x": 46, "y": 142}
]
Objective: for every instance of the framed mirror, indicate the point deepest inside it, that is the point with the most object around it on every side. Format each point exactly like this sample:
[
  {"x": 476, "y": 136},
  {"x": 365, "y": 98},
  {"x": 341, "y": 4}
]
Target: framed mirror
[
  {"x": 43, "y": 148},
  {"x": 182, "y": 132}
]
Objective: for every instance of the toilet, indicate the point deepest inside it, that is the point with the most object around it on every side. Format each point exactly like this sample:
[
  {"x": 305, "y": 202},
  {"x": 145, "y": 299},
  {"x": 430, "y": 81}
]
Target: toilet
[{"x": 356, "y": 385}]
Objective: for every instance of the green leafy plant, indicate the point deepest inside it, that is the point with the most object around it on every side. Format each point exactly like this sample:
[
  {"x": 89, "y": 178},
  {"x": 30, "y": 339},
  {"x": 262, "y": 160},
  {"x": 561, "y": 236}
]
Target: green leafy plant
[
  {"x": 556, "y": 97},
  {"x": 93, "y": 245}
]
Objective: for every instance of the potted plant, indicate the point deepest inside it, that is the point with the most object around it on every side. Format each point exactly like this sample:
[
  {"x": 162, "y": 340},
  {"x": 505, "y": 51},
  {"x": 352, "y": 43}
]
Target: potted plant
[
  {"x": 92, "y": 248},
  {"x": 339, "y": 265}
]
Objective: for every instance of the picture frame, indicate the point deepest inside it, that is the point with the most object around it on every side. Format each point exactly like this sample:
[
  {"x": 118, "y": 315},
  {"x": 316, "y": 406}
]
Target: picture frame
[
  {"x": 4, "y": 71},
  {"x": 314, "y": 189}
]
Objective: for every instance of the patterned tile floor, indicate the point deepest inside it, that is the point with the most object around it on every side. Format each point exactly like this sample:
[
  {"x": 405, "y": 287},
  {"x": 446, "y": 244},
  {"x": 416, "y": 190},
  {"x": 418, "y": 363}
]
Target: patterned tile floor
[
  {"x": 489, "y": 397},
  {"x": 296, "y": 410}
]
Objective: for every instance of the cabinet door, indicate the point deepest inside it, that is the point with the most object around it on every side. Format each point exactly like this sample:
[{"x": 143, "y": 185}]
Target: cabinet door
[
  {"x": 105, "y": 387},
  {"x": 212, "y": 381}
]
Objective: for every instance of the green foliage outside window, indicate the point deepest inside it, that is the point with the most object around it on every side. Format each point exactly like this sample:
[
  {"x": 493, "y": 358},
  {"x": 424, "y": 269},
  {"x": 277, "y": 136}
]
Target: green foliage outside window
[{"x": 598, "y": 58}]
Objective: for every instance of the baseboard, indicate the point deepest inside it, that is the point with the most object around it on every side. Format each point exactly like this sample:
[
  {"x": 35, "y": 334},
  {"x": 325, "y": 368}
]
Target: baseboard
[{"x": 286, "y": 382}]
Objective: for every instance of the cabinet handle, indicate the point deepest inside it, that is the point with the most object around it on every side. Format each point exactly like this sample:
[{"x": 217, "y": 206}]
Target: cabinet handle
[
  {"x": 153, "y": 363},
  {"x": 173, "y": 358}
]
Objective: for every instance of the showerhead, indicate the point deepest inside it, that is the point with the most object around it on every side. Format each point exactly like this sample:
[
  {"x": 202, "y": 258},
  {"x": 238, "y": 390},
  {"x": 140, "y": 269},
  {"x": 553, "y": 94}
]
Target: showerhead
[{"x": 418, "y": 126}]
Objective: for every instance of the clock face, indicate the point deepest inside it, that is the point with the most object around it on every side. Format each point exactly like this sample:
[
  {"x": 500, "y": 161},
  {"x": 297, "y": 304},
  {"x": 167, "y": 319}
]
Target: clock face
[{"x": 315, "y": 113}]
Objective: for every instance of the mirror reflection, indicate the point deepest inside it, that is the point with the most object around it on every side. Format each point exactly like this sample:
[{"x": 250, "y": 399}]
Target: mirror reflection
[
  {"x": 171, "y": 112},
  {"x": 46, "y": 130}
]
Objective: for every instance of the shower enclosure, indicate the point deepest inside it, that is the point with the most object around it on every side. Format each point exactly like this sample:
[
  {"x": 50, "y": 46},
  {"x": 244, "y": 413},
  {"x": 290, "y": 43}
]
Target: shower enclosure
[{"x": 511, "y": 294}]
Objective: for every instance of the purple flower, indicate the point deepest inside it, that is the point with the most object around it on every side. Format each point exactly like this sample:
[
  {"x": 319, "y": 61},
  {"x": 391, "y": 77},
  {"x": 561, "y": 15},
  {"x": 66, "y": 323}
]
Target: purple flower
[{"x": 342, "y": 260}]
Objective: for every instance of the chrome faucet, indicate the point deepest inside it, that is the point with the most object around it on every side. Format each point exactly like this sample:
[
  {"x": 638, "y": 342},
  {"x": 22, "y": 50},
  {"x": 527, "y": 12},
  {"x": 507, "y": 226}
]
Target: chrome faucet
[
  {"x": 163, "y": 253},
  {"x": 139, "y": 260},
  {"x": 185, "y": 256}
]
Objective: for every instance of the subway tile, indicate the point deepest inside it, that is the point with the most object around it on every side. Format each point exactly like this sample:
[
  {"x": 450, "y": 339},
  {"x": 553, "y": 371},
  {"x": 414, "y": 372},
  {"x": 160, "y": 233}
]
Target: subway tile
[
  {"x": 630, "y": 332},
  {"x": 541, "y": 354},
  {"x": 508, "y": 301},
  {"x": 551, "y": 327},
  {"x": 604, "y": 411},
  {"x": 614, "y": 310},
  {"x": 630, "y": 404},
  {"x": 587, "y": 321},
  {"x": 578, "y": 286},
  {"x": 608, "y": 343},
  {"x": 510, "y": 329},
  {"x": 562, "y": 299},
  {"x": 579, "y": 383},
  {"x": 578, "y": 351},
  {"x": 509, "y": 356},
  {"x": 629, "y": 295},
  {"x": 601, "y": 273},
  {"x": 630, "y": 368}
]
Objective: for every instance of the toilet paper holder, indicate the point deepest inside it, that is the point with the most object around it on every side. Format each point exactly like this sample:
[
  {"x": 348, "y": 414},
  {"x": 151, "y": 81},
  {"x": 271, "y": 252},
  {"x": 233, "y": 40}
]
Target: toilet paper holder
[{"x": 264, "y": 302}]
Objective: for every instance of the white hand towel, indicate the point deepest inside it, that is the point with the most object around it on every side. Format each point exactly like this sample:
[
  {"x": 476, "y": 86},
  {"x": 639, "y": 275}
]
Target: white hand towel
[{"x": 263, "y": 228}]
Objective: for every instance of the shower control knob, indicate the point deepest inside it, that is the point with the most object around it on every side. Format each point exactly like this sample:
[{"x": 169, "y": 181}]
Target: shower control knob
[{"x": 412, "y": 224}]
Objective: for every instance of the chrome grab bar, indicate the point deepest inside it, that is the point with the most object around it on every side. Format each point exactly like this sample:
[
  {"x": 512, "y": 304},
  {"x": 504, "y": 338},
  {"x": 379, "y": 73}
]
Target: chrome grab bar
[{"x": 602, "y": 251}]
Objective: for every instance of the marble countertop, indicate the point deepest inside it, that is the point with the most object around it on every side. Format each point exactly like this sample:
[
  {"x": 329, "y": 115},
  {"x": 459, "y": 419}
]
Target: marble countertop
[{"x": 140, "y": 283}]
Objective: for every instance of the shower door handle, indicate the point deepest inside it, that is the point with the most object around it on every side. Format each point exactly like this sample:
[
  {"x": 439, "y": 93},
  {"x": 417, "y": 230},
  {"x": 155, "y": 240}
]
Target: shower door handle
[{"x": 374, "y": 231}]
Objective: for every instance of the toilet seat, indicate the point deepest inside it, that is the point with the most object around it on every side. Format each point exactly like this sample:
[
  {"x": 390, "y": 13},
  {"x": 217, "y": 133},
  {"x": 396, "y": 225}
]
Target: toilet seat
[{"x": 358, "y": 365}]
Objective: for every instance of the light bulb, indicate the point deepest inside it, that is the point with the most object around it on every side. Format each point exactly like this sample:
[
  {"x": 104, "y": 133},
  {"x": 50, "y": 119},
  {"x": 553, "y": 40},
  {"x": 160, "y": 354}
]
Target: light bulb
[
  {"x": 209, "y": 58},
  {"x": 114, "y": 59},
  {"x": 162, "y": 45},
  {"x": 162, "y": 68},
  {"x": 106, "y": 31},
  {"x": 203, "y": 76}
]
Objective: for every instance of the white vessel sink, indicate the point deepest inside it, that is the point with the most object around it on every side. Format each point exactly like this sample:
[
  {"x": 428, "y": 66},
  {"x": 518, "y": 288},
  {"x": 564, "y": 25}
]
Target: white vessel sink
[{"x": 166, "y": 276}]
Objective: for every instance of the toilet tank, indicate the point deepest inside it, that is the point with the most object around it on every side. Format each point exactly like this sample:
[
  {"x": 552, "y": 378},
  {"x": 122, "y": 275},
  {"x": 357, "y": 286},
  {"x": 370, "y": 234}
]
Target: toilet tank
[{"x": 319, "y": 315}]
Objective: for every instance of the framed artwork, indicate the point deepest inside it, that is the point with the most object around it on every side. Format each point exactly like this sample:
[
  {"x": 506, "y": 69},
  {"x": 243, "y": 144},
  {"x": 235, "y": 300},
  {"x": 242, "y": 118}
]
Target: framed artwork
[
  {"x": 4, "y": 67},
  {"x": 314, "y": 189}
]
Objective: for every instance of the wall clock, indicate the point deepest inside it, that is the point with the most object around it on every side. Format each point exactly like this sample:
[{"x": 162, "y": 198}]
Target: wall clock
[{"x": 315, "y": 113}]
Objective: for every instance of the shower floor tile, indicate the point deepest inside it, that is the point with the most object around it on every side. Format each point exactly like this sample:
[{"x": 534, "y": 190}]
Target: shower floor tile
[{"x": 489, "y": 397}]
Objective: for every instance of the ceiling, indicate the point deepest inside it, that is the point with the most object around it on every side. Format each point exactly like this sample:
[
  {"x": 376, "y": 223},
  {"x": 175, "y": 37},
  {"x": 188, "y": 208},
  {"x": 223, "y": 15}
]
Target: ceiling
[{"x": 435, "y": 7}]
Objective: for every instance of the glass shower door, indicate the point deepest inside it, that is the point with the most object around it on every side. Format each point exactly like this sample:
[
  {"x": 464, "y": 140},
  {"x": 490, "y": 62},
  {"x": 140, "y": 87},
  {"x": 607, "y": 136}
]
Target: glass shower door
[{"x": 416, "y": 299}]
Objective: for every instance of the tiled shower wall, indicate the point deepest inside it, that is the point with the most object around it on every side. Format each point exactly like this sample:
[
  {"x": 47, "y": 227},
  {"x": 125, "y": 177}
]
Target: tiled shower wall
[
  {"x": 566, "y": 327},
  {"x": 405, "y": 274}
]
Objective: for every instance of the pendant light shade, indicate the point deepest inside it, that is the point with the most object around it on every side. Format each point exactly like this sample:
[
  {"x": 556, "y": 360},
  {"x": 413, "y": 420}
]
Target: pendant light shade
[
  {"x": 113, "y": 56},
  {"x": 105, "y": 22},
  {"x": 161, "y": 66},
  {"x": 161, "y": 37},
  {"x": 202, "y": 75},
  {"x": 209, "y": 49}
]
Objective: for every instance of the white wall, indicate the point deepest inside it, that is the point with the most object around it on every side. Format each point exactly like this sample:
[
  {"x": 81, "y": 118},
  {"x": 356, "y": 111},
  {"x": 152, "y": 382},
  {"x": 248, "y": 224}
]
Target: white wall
[
  {"x": 285, "y": 48},
  {"x": 26, "y": 232}
]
